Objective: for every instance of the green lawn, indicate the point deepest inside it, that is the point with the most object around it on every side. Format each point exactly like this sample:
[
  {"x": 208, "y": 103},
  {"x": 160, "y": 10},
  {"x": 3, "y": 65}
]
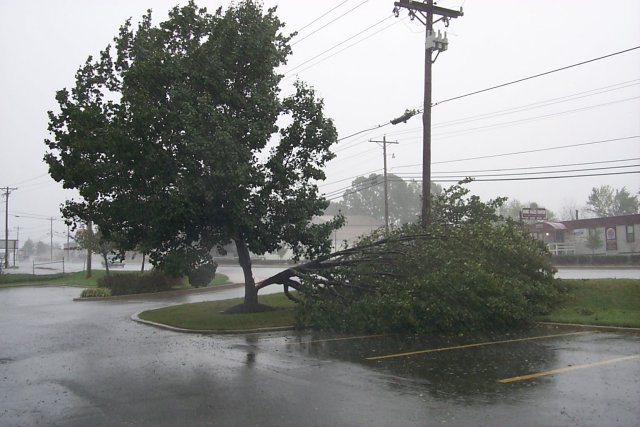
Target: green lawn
[
  {"x": 77, "y": 279},
  {"x": 607, "y": 302},
  {"x": 209, "y": 315}
]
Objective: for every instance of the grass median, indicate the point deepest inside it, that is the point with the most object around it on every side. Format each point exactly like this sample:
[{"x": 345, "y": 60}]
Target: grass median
[
  {"x": 209, "y": 315},
  {"x": 607, "y": 302}
]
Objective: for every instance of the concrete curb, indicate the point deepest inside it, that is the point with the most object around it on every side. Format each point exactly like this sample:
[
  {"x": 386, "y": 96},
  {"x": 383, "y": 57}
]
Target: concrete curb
[
  {"x": 136, "y": 318},
  {"x": 596, "y": 327}
]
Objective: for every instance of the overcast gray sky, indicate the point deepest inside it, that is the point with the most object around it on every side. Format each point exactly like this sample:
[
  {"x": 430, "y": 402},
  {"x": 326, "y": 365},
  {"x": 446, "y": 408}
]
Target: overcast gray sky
[{"x": 373, "y": 73}]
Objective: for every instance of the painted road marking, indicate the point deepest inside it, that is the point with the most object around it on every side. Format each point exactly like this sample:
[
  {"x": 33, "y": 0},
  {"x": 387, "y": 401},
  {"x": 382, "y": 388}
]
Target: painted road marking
[
  {"x": 482, "y": 344},
  {"x": 567, "y": 369},
  {"x": 342, "y": 339}
]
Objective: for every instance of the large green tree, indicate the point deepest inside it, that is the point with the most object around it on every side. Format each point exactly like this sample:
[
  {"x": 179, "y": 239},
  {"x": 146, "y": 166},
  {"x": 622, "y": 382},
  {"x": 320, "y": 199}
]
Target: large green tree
[
  {"x": 178, "y": 140},
  {"x": 604, "y": 201}
]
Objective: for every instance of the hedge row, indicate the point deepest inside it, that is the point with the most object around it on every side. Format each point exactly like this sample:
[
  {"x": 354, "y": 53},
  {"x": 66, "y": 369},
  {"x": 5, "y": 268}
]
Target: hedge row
[{"x": 135, "y": 283}]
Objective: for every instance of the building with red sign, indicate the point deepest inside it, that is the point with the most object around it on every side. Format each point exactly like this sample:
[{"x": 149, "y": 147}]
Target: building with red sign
[{"x": 616, "y": 235}]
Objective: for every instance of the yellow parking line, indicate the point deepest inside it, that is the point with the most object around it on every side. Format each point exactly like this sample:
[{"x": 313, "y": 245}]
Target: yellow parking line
[
  {"x": 567, "y": 369},
  {"x": 482, "y": 344},
  {"x": 342, "y": 339}
]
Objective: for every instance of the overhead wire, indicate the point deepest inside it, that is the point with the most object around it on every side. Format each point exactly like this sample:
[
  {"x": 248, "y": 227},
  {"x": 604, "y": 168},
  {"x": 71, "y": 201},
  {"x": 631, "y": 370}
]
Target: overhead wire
[
  {"x": 536, "y": 75},
  {"x": 444, "y": 179},
  {"x": 462, "y": 172},
  {"x": 330, "y": 22},
  {"x": 502, "y": 112},
  {"x": 537, "y": 150},
  {"x": 322, "y": 16},
  {"x": 541, "y": 167},
  {"x": 533, "y": 173},
  {"x": 341, "y": 193},
  {"x": 465, "y": 131},
  {"x": 291, "y": 70},
  {"x": 526, "y": 107},
  {"x": 419, "y": 110}
]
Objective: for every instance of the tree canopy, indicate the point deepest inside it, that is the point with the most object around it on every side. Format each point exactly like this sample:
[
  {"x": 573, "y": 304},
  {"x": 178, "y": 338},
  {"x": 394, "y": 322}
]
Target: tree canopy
[
  {"x": 366, "y": 197},
  {"x": 604, "y": 201},
  {"x": 173, "y": 139}
]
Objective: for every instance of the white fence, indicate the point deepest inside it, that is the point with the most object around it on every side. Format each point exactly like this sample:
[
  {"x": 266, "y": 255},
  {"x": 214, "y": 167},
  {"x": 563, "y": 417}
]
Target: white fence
[{"x": 562, "y": 248}]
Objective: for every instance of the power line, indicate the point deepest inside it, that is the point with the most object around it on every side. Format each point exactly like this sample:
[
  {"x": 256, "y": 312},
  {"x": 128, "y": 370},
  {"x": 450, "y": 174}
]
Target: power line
[
  {"x": 539, "y": 173},
  {"x": 542, "y": 167},
  {"x": 363, "y": 131},
  {"x": 33, "y": 216},
  {"x": 543, "y": 177},
  {"x": 535, "y": 150},
  {"x": 340, "y": 191},
  {"x": 462, "y": 172},
  {"x": 539, "y": 104},
  {"x": 289, "y": 71},
  {"x": 347, "y": 47},
  {"x": 536, "y": 75},
  {"x": 32, "y": 179},
  {"x": 323, "y": 15},
  {"x": 330, "y": 22},
  {"x": 509, "y": 83},
  {"x": 451, "y": 179},
  {"x": 535, "y": 118},
  {"x": 519, "y": 121}
]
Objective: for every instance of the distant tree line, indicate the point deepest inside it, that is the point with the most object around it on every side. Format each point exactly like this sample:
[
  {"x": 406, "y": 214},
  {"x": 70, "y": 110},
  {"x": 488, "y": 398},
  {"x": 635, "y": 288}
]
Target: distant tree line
[{"x": 365, "y": 196}]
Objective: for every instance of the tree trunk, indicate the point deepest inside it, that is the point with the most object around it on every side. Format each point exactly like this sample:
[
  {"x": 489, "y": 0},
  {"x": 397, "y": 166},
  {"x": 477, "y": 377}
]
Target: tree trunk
[
  {"x": 144, "y": 255},
  {"x": 250, "y": 291},
  {"x": 106, "y": 263},
  {"x": 88, "y": 263},
  {"x": 90, "y": 233}
]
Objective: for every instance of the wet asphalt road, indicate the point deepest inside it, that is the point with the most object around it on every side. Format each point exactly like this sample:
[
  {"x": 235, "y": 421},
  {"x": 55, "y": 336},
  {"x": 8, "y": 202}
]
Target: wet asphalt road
[{"x": 65, "y": 363}]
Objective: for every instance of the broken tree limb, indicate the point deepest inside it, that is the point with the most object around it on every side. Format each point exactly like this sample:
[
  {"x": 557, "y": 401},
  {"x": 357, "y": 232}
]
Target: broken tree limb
[{"x": 324, "y": 273}]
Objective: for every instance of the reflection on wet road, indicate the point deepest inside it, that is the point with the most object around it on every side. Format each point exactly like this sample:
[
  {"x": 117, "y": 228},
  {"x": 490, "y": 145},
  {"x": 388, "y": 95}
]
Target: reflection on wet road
[{"x": 74, "y": 364}]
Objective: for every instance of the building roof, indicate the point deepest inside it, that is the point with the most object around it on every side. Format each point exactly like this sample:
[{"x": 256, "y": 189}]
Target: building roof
[
  {"x": 588, "y": 223},
  {"x": 603, "y": 222}
]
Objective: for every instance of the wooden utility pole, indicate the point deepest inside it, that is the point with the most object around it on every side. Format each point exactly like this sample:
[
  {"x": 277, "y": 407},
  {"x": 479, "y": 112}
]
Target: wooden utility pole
[
  {"x": 384, "y": 143},
  {"x": 51, "y": 246},
  {"x": 424, "y": 12},
  {"x": 7, "y": 191}
]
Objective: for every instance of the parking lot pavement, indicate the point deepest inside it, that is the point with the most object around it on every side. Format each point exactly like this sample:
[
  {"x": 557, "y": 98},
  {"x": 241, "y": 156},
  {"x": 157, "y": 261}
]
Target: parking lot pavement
[{"x": 73, "y": 364}]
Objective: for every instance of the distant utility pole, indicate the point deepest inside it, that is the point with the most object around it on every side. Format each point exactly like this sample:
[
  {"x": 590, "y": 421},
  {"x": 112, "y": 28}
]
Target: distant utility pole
[
  {"x": 384, "y": 143},
  {"x": 7, "y": 191},
  {"x": 51, "y": 247},
  {"x": 424, "y": 12}
]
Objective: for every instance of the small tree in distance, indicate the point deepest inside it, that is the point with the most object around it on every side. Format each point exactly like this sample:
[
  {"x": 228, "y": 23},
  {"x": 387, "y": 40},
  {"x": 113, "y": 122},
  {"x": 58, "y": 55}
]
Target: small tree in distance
[
  {"x": 594, "y": 241},
  {"x": 96, "y": 243}
]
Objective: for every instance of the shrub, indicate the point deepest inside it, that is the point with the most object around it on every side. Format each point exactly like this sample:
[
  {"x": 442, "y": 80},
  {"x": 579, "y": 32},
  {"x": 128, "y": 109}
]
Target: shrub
[
  {"x": 203, "y": 274},
  {"x": 95, "y": 293},
  {"x": 135, "y": 283},
  {"x": 468, "y": 271}
]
